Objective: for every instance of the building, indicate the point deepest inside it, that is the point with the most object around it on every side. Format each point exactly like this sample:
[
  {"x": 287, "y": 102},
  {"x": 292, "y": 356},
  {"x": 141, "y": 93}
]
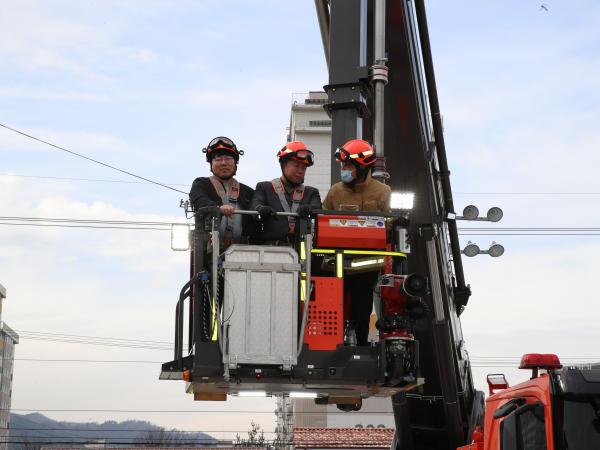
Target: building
[
  {"x": 8, "y": 339},
  {"x": 322, "y": 438},
  {"x": 310, "y": 124}
]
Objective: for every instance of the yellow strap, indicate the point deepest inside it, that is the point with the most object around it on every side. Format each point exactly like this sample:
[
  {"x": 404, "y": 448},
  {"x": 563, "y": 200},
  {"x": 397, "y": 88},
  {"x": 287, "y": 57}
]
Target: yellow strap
[
  {"x": 321, "y": 251},
  {"x": 215, "y": 321},
  {"x": 339, "y": 265},
  {"x": 303, "y": 289},
  {"x": 374, "y": 252}
]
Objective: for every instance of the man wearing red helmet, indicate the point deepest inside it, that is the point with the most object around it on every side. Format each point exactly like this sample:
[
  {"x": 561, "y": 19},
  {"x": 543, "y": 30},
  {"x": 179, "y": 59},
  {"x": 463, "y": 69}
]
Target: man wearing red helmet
[
  {"x": 286, "y": 193},
  {"x": 223, "y": 190},
  {"x": 358, "y": 191}
]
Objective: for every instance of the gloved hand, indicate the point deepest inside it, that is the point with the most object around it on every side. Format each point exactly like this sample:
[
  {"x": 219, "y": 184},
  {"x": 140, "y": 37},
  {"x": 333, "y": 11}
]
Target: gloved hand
[
  {"x": 304, "y": 210},
  {"x": 265, "y": 211}
]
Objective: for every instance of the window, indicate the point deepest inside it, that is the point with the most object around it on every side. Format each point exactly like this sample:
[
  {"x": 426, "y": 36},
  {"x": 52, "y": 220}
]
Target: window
[
  {"x": 319, "y": 123},
  {"x": 524, "y": 429}
]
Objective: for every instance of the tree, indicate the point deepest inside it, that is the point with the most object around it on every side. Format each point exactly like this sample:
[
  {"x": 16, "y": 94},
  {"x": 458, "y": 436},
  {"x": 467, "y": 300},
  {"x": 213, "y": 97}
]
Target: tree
[
  {"x": 167, "y": 438},
  {"x": 256, "y": 437}
]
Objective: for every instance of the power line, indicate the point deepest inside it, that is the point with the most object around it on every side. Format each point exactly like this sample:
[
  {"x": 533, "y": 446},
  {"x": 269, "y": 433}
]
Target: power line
[
  {"x": 99, "y": 180},
  {"x": 127, "y": 430},
  {"x": 98, "y": 227},
  {"x": 526, "y": 193},
  {"x": 140, "y": 222},
  {"x": 213, "y": 411},
  {"x": 111, "y": 361},
  {"x": 93, "y": 340},
  {"x": 109, "y": 438},
  {"x": 94, "y": 221},
  {"x": 168, "y": 443},
  {"x": 89, "y": 441},
  {"x": 90, "y": 159},
  {"x": 93, "y": 337},
  {"x": 532, "y": 234},
  {"x": 88, "y": 223}
]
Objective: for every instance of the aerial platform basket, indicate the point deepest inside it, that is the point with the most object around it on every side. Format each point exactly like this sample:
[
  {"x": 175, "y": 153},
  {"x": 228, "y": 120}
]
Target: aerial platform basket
[{"x": 249, "y": 332}]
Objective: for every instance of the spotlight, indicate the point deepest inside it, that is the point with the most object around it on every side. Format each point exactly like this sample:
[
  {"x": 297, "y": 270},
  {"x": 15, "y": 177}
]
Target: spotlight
[
  {"x": 470, "y": 212},
  {"x": 494, "y": 214},
  {"x": 180, "y": 237},
  {"x": 471, "y": 250},
  {"x": 402, "y": 200},
  {"x": 495, "y": 250}
]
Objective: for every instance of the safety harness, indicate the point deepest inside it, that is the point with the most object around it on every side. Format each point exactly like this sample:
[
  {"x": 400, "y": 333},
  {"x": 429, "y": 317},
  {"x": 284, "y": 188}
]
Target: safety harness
[
  {"x": 230, "y": 228},
  {"x": 297, "y": 196}
]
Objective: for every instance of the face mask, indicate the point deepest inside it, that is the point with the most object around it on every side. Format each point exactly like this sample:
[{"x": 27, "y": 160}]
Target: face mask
[{"x": 346, "y": 176}]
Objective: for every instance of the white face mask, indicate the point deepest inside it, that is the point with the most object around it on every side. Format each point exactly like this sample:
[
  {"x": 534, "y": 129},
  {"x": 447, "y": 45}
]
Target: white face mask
[{"x": 346, "y": 176}]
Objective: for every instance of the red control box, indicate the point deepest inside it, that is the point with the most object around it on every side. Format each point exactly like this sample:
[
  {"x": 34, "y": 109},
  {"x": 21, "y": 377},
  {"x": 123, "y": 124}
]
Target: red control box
[{"x": 351, "y": 232}]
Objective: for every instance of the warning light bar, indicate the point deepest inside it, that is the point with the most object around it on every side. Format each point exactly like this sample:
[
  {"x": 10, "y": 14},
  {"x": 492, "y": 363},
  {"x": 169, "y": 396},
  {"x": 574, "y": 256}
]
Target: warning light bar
[{"x": 546, "y": 361}]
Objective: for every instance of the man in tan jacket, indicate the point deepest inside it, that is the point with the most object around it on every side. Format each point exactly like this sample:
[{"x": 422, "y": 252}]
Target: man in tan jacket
[{"x": 358, "y": 191}]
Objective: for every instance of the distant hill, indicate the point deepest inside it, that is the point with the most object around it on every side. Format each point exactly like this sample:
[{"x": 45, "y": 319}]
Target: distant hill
[{"x": 32, "y": 431}]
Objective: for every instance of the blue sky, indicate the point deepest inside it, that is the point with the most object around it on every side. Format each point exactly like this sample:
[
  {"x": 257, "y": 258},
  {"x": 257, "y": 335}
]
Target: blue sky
[{"x": 145, "y": 84}]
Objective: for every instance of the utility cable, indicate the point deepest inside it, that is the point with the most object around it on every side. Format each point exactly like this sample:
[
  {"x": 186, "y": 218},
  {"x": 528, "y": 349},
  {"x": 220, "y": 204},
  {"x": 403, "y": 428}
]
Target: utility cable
[
  {"x": 526, "y": 193},
  {"x": 93, "y": 221},
  {"x": 98, "y": 180},
  {"x": 128, "y": 430},
  {"x": 22, "y": 133},
  {"x": 93, "y": 337},
  {"x": 98, "y": 227},
  {"x": 91, "y": 340}
]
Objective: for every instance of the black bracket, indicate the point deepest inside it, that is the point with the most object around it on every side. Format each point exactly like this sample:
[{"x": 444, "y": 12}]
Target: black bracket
[{"x": 348, "y": 96}]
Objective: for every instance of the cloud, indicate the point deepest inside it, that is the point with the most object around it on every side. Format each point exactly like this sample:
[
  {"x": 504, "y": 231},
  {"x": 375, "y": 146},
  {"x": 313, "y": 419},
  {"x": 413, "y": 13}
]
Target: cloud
[
  {"x": 96, "y": 145},
  {"x": 145, "y": 56},
  {"x": 36, "y": 93}
]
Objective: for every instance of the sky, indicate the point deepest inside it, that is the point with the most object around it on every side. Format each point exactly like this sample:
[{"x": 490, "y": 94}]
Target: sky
[{"x": 144, "y": 85}]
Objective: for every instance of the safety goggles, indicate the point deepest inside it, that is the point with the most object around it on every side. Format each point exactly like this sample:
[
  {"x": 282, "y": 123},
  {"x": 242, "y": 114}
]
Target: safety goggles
[
  {"x": 343, "y": 155},
  {"x": 221, "y": 140},
  {"x": 304, "y": 155}
]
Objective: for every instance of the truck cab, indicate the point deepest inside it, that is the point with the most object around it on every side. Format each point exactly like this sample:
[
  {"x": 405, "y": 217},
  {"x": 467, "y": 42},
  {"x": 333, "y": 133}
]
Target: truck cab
[{"x": 558, "y": 409}]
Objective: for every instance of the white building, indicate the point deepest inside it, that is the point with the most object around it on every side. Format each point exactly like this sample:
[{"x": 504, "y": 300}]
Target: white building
[
  {"x": 310, "y": 124},
  {"x": 8, "y": 339}
]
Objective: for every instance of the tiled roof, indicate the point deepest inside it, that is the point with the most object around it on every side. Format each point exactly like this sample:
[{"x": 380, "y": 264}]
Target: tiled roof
[{"x": 343, "y": 437}]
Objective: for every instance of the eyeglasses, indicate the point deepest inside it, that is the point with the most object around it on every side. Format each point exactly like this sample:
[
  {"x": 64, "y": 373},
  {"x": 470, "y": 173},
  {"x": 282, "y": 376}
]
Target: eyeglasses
[
  {"x": 223, "y": 158},
  {"x": 228, "y": 142}
]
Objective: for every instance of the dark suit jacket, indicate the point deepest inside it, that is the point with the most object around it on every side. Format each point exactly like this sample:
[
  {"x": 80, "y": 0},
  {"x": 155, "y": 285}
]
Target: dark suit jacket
[
  {"x": 276, "y": 228},
  {"x": 203, "y": 194}
]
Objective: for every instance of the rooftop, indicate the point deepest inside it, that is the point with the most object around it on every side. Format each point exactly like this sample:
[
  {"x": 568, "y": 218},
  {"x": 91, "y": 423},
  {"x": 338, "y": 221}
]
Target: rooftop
[{"x": 343, "y": 437}]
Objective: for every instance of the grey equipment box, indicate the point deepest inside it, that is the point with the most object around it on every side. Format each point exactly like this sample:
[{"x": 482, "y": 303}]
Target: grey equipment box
[{"x": 260, "y": 306}]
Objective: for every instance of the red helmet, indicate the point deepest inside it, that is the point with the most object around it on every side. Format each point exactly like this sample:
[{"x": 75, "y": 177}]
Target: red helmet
[
  {"x": 298, "y": 152},
  {"x": 357, "y": 151},
  {"x": 222, "y": 145}
]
